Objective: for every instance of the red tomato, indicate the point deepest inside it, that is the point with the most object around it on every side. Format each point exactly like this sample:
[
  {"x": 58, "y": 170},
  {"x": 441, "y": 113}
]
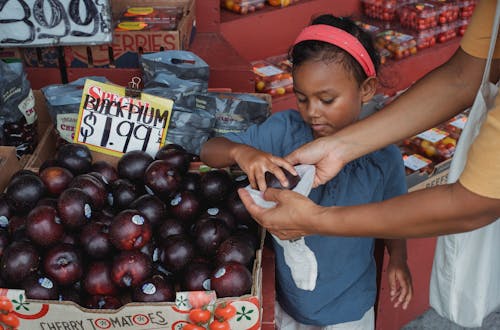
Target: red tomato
[
  {"x": 225, "y": 311},
  {"x": 218, "y": 325},
  {"x": 198, "y": 299},
  {"x": 199, "y": 315},
  {"x": 9, "y": 320},
  {"x": 5, "y": 304},
  {"x": 190, "y": 326}
]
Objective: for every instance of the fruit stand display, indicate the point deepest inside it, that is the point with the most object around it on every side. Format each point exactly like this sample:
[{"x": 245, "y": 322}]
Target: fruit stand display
[{"x": 115, "y": 241}]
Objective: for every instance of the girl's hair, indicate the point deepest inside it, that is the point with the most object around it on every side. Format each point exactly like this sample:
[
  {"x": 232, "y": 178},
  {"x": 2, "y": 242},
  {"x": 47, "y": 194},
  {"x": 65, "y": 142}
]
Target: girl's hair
[{"x": 324, "y": 51}]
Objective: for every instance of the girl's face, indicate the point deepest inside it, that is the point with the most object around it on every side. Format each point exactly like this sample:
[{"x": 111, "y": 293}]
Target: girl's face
[{"x": 328, "y": 96}]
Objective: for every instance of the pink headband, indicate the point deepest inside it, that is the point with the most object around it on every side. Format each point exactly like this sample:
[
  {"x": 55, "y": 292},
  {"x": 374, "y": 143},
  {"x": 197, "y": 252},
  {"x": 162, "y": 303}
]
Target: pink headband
[{"x": 342, "y": 39}]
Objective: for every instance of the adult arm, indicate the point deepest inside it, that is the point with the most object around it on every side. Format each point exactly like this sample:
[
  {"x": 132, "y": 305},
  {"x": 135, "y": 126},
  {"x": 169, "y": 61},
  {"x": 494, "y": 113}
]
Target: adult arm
[
  {"x": 434, "y": 211},
  {"x": 442, "y": 93}
]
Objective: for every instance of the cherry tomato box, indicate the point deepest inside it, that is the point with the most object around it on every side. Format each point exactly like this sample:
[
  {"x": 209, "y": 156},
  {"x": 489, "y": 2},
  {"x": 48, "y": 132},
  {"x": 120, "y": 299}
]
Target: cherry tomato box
[
  {"x": 140, "y": 27},
  {"x": 385, "y": 10},
  {"x": 243, "y": 7},
  {"x": 271, "y": 79},
  {"x": 400, "y": 45},
  {"x": 186, "y": 310}
]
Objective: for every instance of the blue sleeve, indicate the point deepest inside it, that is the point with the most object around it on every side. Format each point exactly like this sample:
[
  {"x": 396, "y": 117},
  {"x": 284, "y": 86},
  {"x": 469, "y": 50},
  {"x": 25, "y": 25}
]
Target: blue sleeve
[
  {"x": 273, "y": 135},
  {"x": 395, "y": 177}
]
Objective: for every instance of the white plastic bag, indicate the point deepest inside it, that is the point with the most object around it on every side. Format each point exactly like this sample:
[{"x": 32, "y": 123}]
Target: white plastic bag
[
  {"x": 298, "y": 256},
  {"x": 465, "y": 280}
]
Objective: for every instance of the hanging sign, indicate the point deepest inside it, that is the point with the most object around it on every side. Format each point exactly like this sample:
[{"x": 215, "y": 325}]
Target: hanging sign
[
  {"x": 36, "y": 23},
  {"x": 112, "y": 122}
]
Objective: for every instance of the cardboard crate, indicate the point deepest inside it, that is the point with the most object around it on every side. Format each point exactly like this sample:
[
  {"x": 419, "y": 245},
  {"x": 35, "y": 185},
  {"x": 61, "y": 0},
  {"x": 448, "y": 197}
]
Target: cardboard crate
[
  {"x": 128, "y": 45},
  {"x": 42, "y": 57},
  {"x": 47, "y": 314},
  {"x": 10, "y": 54},
  {"x": 44, "y": 314},
  {"x": 439, "y": 175},
  {"x": 9, "y": 164}
]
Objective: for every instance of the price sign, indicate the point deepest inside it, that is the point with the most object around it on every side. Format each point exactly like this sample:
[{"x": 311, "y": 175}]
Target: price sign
[
  {"x": 54, "y": 22},
  {"x": 113, "y": 123}
]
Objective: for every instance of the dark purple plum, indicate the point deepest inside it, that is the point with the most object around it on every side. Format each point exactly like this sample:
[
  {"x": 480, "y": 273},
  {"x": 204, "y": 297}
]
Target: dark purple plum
[
  {"x": 185, "y": 206},
  {"x": 197, "y": 276},
  {"x": 121, "y": 194},
  {"x": 238, "y": 209},
  {"x": 56, "y": 179},
  {"x": 93, "y": 187},
  {"x": 176, "y": 253},
  {"x": 95, "y": 241},
  {"x": 162, "y": 179},
  {"x": 231, "y": 280},
  {"x": 220, "y": 213},
  {"x": 97, "y": 279},
  {"x": 130, "y": 230},
  {"x": 237, "y": 249},
  {"x": 43, "y": 226},
  {"x": 24, "y": 192},
  {"x": 40, "y": 287},
  {"x": 170, "y": 227},
  {"x": 5, "y": 211},
  {"x": 107, "y": 170},
  {"x": 130, "y": 268},
  {"x": 191, "y": 181},
  {"x": 216, "y": 185},
  {"x": 241, "y": 181},
  {"x": 133, "y": 164},
  {"x": 75, "y": 157},
  {"x": 63, "y": 263},
  {"x": 178, "y": 159},
  {"x": 208, "y": 235},
  {"x": 102, "y": 302},
  {"x": 154, "y": 289},
  {"x": 273, "y": 182},
  {"x": 153, "y": 208},
  {"x": 19, "y": 261},
  {"x": 74, "y": 208}
]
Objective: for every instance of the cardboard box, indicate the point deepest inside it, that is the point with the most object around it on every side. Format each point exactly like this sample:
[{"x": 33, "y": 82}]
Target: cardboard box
[
  {"x": 126, "y": 46},
  {"x": 10, "y": 54},
  {"x": 43, "y": 57},
  {"x": 9, "y": 165},
  {"x": 44, "y": 314},
  {"x": 439, "y": 175},
  {"x": 38, "y": 314}
]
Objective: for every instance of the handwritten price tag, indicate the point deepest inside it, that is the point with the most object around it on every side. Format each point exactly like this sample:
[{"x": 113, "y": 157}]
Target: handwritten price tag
[
  {"x": 55, "y": 22},
  {"x": 113, "y": 123}
]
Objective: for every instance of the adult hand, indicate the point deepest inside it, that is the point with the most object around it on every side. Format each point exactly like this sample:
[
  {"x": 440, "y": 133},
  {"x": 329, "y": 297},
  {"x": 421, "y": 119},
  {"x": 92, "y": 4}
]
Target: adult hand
[
  {"x": 323, "y": 154},
  {"x": 291, "y": 217}
]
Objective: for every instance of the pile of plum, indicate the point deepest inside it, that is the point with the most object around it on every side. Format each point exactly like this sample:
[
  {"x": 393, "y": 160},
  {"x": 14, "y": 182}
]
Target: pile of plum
[{"x": 103, "y": 235}]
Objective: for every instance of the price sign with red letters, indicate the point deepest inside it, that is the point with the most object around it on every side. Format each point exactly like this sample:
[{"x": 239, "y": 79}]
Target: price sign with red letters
[{"x": 111, "y": 122}]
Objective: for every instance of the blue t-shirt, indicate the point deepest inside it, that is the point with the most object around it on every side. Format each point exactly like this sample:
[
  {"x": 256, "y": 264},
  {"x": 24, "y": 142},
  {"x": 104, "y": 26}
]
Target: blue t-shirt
[{"x": 346, "y": 283}]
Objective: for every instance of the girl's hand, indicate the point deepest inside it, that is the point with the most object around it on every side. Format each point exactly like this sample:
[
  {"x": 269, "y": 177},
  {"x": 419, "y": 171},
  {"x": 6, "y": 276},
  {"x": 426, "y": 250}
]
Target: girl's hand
[
  {"x": 400, "y": 283},
  {"x": 256, "y": 163}
]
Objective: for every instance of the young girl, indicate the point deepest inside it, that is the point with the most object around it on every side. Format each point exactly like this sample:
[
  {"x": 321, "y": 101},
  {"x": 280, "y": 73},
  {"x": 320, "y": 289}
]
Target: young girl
[{"x": 334, "y": 73}]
